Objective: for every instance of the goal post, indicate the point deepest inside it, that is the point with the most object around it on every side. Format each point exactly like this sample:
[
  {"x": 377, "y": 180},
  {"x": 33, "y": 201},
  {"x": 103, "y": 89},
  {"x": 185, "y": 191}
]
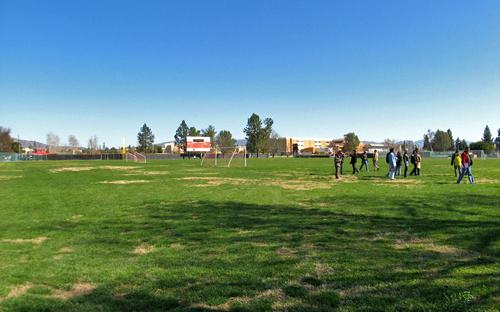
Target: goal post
[
  {"x": 229, "y": 157},
  {"x": 135, "y": 157}
]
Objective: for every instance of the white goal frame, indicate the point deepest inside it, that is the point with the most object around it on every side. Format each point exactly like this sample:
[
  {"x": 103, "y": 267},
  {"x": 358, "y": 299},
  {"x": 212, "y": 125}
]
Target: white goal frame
[
  {"x": 236, "y": 151},
  {"x": 136, "y": 157}
]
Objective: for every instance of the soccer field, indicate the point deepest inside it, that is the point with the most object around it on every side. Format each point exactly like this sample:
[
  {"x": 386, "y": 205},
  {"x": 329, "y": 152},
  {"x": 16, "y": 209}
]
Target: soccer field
[{"x": 280, "y": 235}]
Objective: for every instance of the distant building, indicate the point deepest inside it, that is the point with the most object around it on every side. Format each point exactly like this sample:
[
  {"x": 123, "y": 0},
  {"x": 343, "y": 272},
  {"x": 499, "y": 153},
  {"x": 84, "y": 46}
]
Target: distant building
[{"x": 297, "y": 145}]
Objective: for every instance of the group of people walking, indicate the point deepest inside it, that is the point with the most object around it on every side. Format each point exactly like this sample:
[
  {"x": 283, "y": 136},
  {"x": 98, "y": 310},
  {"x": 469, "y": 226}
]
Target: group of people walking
[
  {"x": 395, "y": 161},
  {"x": 461, "y": 162}
]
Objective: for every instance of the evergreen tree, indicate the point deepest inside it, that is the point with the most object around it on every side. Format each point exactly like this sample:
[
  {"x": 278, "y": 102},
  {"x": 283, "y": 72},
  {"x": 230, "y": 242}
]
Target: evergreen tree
[
  {"x": 497, "y": 141},
  {"x": 441, "y": 141},
  {"x": 452, "y": 142},
  {"x": 225, "y": 139},
  {"x": 209, "y": 132},
  {"x": 181, "y": 134},
  {"x": 464, "y": 145},
  {"x": 257, "y": 134},
  {"x": 193, "y": 131},
  {"x": 252, "y": 131},
  {"x": 487, "y": 137},
  {"x": 458, "y": 144},
  {"x": 351, "y": 141},
  {"x": 145, "y": 139}
]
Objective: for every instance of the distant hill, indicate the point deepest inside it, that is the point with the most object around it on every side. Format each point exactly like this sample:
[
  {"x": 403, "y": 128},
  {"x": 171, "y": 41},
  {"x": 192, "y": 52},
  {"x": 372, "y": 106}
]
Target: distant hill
[{"x": 28, "y": 143}]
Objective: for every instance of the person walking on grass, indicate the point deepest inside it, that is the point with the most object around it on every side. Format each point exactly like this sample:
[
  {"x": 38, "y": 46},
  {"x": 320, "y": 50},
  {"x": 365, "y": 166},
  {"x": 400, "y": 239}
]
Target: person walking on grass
[
  {"x": 406, "y": 162},
  {"x": 354, "y": 160},
  {"x": 391, "y": 160},
  {"x": 466, "y": 167},
  {"x": 418, "y": 161},
  {"x": 456, "y": 162},
  {"x": 342, "y": 157},
  {"x": 364, "y": 161},
  {"x": 399, "y": 163},
  {"x": 338, "y": 159},
  {"x": 375, "y": 160},
  {"x": 413, "y": 162}
]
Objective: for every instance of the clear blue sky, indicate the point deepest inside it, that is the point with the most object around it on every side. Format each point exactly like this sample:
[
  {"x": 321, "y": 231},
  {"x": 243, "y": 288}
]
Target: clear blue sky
[{"x": 384, "y": 69}]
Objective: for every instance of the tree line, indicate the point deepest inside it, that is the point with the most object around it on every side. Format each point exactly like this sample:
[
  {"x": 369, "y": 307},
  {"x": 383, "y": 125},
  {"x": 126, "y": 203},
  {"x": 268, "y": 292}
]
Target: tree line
[{"x": 441, "y": 141}]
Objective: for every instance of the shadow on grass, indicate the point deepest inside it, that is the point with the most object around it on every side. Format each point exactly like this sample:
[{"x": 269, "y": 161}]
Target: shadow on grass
[{"x": 244, "y": 257}]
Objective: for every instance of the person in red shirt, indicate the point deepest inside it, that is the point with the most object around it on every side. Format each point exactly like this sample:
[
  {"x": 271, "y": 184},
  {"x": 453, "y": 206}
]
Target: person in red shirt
[{"x": 466, "y": 167}]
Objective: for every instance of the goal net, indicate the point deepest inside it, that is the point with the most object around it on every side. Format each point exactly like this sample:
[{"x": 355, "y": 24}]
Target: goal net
[
  {"x": 225, "y": 157},
  {"x": 136, "y": 157}
]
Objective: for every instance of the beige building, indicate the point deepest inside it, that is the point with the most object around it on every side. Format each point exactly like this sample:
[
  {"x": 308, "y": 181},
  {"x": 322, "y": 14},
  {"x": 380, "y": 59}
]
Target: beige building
[{"x": 310, "y": 145}]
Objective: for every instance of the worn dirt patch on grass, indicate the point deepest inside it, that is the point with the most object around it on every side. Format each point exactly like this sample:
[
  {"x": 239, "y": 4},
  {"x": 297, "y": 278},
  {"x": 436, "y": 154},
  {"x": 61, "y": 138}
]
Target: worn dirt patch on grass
[
  {"x": 144, "y": 249},
  {"x": 177, "y": 246},
  {"x": 147, "y": 173},
  {"x": 79, "y": 289},
  {"x": 35, "y": 241},
  {"x": 77, "y": 169},
  {"x": 71, "y": 169},
  {"x": 125, "y": 182},
  {"x": 427, "y": 245},
  {"x": 7, "y": 177},
  {"x": 213, "y": 181},
  {"x": 301, "y": 185},
  {"x": 285, "y": 252},
  {"x": 485, "y": 181},
  {"x": 18, "y": 291}
]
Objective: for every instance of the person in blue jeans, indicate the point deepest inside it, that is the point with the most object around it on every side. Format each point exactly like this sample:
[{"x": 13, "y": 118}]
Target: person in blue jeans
[
  {"x": 466, "y": 167},
  {"x": 391, "y": 160},
  {"x": 399, "y": 163},
  {"x": 364, "y": 161}
]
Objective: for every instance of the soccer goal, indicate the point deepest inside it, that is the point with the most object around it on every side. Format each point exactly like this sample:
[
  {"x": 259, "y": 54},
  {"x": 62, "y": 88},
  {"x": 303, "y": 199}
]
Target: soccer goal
[
  {"x": 136, "y": 157},
  {"x": 225, "y": 157}
]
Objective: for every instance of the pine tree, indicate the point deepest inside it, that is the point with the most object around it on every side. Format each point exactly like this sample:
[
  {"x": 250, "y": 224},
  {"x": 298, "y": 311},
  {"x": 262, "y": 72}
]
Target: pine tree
[
  {"x": 209, "y": 132},
  {"x": 145, "y": 139},
  {"x": 181, "y": 134},
  {"x": 487, "y": 137}
]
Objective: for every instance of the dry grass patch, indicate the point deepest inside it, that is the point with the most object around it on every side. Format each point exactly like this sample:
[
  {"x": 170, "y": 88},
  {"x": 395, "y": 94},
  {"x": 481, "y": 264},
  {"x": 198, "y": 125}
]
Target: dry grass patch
[
  {"x": 427, "y": 245},
  {"x": 144, "y": 249},
  {"x": 71, "y": 169},
  {"x": 213, "y": 181},
  {"x": 79, "y": 289},
  {"x": 77, "y": 169},
  {"x": 18, "y": 291},
  {"x": 9, "y": 177},
  {"x": 286, "y": 252},
  {"x": 35, "y": 241},
  {"x": 301, "y": 185},
  {"x": 323, "y": 269},
  {"x": 177, "y": 246},
  {"x": 125, "y": 182},
  {"x": 147, "y": 173}
]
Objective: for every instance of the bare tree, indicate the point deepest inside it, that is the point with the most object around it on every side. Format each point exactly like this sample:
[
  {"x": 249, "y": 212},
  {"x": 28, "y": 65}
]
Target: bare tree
[
  {"x": 391, "y": 143},
  {"x": 93, "y": 143},
  {"x": 5, "y": 140},
  {"x": 73, "y": 142},
  {"x": 276, "y": 144},
  {"x": 53, "y": 142}
]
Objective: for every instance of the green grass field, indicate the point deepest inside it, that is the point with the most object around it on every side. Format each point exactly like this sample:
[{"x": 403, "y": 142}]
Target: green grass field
[{"x": 280, "y": 235}]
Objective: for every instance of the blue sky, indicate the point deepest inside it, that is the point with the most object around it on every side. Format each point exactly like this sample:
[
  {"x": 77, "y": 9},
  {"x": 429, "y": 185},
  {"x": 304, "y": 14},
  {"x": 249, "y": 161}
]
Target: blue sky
[{"x": 384, "y": 69}]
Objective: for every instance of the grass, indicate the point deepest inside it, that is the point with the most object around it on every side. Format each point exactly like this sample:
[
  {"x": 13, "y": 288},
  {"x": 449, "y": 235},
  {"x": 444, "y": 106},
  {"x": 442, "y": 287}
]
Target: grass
[{"x": 280, "y": 235}]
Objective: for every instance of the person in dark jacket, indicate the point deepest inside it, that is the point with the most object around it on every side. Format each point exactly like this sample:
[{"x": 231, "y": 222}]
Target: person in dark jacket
[
  {"x": 354, "y": 160},
  {"x": 413, "y": 158},
  {"x": 406, "y": 162},
  {"x": 399, "y": 163},
  {"x": 364, "y": 161},
  {"x": 338, "y": 159}
]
